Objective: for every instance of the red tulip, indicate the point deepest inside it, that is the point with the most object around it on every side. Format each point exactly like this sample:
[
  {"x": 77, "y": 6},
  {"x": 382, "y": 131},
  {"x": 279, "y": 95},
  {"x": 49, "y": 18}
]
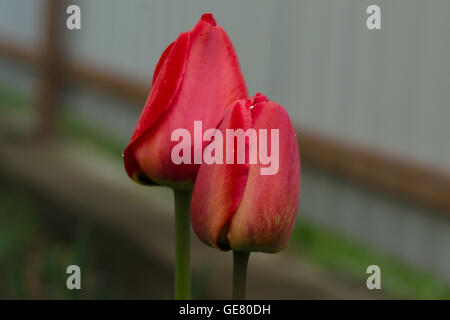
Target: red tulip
[
  {"x": 241, "y": 206},
  {"x": 196, "y": 78}
]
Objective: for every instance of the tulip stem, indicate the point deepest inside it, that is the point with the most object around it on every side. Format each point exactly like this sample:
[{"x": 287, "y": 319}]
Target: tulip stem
[
  {"x": 182, "y": 245},
  {"x": 240, "y": 262}
]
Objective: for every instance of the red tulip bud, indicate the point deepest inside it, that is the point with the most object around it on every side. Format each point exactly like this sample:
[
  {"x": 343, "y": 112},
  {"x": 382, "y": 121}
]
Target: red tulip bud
[
  {"x": 249, "y": 205},
  {"x": 196, "y": 78}
]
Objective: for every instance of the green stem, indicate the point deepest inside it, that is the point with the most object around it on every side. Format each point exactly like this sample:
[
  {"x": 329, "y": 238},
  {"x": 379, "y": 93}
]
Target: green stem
[
  {"x": 240, "y": 262},
  {"x": 182, "y": 245}
]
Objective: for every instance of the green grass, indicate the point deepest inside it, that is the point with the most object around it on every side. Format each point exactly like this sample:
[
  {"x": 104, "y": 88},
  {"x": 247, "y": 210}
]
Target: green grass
[
  {"x": 23, "y": 248},
  {"x": 328, "y": 250},
  {"x": 13, "y": 101},
  {"x": 39, "y": 240},
  {"x": 72, "y": 126},
  {"x": 337, "y": 253}
]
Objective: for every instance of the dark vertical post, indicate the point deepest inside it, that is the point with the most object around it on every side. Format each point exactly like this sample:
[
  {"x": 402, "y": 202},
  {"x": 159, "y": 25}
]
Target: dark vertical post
[{"x": 50, "y": 58}]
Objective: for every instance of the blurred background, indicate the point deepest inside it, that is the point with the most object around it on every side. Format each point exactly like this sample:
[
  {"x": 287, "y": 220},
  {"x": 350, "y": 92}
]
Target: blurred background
[{"x": 371, "y": 109}]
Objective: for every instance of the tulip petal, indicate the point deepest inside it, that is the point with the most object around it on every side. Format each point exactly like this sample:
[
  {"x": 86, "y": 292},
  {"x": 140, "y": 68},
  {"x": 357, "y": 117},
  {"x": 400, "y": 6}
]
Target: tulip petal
[
  {"x": 161, "y": 61},
  {"x": 169, "y": 75},
  {"x": 266, "y": 215},
  {"x": 166, "y": 82},
  {"x": 219, "y": 187}
]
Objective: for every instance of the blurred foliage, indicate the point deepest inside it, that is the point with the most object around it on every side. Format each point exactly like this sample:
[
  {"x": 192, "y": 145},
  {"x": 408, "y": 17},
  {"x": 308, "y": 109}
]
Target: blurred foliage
[
  {"x": 39, "y": 240},
  {"x": 327, "y": 250},
  {"x": 339, "y": 254},
  {"x": 13, "y": 101},
  {"x": 71, "y": 125}
]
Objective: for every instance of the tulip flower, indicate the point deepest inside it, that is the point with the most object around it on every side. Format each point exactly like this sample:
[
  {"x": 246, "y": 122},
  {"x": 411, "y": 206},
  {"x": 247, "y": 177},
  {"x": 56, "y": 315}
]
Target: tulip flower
[
  {"x": 235, "y": 206},
  {"x": 196, "y": 78},
  {"x": 238, "y": 207}
]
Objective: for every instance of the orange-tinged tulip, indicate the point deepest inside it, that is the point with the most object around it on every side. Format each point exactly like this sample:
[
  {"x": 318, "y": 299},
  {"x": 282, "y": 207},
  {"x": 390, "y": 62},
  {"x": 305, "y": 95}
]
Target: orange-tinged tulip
[
  {"x": 196, "y": 78},
  {"x": 245, "y": 206}
]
